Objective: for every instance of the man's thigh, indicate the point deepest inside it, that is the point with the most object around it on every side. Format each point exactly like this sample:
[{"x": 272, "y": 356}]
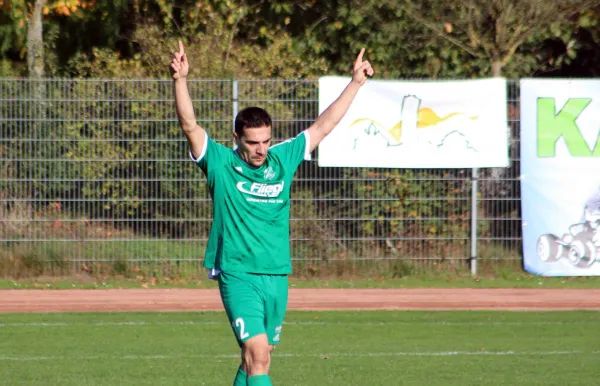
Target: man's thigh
[
  {"x": 255, "y": 304},
  {"x": 276, "y": 287},
  {"x": 244, "y": 304}
]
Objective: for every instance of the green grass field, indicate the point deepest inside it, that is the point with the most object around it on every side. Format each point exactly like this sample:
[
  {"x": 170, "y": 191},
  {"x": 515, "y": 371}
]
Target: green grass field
[{"x": 318, "y": 348}]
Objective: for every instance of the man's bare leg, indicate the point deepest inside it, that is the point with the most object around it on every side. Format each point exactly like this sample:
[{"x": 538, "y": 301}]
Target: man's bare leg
[{"x": 256, "y": 360}]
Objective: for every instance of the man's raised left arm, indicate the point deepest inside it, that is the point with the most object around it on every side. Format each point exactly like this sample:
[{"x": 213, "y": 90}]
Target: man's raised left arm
[{"x": 329, "y": 119}]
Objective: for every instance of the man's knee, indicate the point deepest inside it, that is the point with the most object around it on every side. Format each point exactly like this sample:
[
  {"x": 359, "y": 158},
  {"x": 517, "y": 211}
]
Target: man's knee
[{"x": 256, "y": 354}]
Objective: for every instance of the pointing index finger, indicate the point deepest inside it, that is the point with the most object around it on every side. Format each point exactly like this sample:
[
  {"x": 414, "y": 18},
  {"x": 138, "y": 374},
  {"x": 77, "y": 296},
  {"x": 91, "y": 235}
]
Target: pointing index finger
[
  {"x": 181, "y": 52},
  {"x": 360, "y": 56}
]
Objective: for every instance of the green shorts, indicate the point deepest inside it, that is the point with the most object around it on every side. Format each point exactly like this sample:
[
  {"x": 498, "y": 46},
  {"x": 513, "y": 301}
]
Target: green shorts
[{"x": 255, "y": 304}]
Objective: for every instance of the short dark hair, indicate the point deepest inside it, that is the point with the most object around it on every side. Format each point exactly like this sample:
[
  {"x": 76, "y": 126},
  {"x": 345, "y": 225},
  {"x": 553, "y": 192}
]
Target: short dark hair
[{"x": 249, "y": 118}]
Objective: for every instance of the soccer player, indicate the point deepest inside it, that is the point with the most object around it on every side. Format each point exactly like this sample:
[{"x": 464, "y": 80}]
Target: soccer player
[{"x": 248, "y": 250}]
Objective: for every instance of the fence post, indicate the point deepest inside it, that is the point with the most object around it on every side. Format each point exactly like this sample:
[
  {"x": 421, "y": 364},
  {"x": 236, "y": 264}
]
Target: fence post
[{"x": 474, "y": 189}]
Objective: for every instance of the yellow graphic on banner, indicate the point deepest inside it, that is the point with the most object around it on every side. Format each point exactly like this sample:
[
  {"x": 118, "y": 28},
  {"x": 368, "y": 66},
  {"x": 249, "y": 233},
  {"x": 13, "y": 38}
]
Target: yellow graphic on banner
[{"x": 426, "y": 117}]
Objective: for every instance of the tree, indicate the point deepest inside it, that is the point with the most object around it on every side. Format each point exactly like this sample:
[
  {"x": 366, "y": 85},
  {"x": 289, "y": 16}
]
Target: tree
[
  {"x": 493, "y": 29},
  {"x": 45, "y": 34},
  {"x": 35, "y": 41},
  {"x": 572, "y": 50}
]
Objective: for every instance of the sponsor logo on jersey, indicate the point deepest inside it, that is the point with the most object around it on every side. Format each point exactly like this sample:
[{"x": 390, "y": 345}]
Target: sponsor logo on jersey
[{"x": 260, "y": 190}]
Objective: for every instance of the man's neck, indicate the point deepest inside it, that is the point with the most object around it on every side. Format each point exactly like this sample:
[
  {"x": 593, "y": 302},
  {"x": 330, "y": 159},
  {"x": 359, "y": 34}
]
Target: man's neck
[{"x": 246, "y": 162}]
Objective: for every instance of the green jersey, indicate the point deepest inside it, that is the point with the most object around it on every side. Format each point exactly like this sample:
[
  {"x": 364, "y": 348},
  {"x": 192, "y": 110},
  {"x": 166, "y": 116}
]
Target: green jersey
[{"x": 251, "y": 207}]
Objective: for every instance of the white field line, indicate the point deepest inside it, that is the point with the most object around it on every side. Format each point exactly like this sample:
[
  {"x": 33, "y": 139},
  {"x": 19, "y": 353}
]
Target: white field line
[
  {"x": 306, "y": 323},
  {"x": 332, "y": 355}
]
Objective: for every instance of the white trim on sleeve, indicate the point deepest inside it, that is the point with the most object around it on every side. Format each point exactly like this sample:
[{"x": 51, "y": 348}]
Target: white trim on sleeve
[
  {"x": 307, "y": 156},
  {"x": 203, "y": 149}
]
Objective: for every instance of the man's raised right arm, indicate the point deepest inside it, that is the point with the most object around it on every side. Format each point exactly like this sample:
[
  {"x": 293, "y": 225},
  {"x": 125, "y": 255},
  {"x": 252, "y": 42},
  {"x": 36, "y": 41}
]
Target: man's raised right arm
[{"x": 195, "y": 134}]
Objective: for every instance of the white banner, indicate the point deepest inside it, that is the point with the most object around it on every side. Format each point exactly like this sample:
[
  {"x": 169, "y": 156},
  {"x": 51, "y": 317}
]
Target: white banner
[
  {"x": 417, "y": 124},
  {"x": 560, "y": 176}
]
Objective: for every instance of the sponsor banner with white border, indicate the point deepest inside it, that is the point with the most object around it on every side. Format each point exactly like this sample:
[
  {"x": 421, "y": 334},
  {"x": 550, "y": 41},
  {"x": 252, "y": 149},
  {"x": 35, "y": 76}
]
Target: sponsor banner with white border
[
  {"x": 418, "y": 124},
  {"x": 560, "y": 176}
]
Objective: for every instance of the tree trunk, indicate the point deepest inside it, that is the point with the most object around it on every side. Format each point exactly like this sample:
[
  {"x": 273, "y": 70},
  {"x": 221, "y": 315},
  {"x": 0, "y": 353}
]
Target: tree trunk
[
  {"x": 35, "y": 67},
  {"x": 496, "y": 68},
  {"x": 35, "y": 42}
]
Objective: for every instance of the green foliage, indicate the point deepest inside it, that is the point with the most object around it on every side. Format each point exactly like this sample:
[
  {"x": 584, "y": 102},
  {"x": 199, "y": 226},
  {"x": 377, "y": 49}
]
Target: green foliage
[
  {"x": 406, "y": 213},
  {"x": 13, "y": 28},
  {"x": 297, "y": 39},
  {"x": 502, "y": 35},
  {"x": 114, "y": 143}
]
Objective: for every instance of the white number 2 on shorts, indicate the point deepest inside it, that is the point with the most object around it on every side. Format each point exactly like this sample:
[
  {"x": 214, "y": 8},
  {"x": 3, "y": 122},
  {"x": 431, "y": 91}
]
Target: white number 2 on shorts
[{"x": 239, "y": 322}]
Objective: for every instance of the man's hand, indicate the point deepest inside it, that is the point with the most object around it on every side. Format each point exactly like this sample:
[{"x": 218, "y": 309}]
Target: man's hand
[
  {"x": 361, "y": 69},
  {"x": 331, "y": 117},
  {"x": 179, "y": 65}
]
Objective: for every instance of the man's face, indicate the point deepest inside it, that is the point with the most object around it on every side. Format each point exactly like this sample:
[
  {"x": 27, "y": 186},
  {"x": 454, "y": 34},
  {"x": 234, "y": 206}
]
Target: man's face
[{"x": 254, "y": 144}]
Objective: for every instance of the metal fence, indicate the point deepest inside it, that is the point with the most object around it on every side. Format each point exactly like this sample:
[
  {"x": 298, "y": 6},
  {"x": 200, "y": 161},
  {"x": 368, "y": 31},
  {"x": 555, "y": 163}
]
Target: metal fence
[{"x": 95, "y": 171}]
